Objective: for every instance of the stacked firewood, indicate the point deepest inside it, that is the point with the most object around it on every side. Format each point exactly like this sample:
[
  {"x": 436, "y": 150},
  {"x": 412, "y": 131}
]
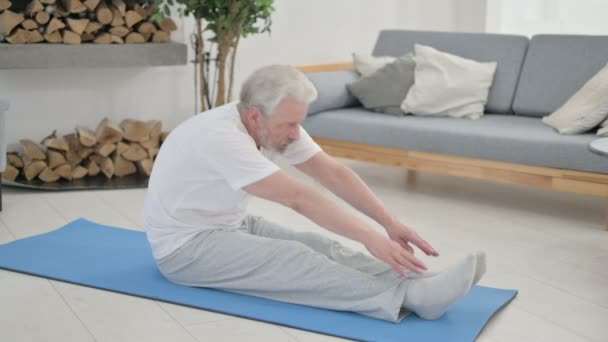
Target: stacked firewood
[
  {"x": 111, "y": 150},
  {"x": 76, "y": 22}
]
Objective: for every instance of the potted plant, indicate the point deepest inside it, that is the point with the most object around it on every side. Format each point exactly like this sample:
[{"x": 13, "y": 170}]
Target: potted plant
[{"x": 228, "y": 21}]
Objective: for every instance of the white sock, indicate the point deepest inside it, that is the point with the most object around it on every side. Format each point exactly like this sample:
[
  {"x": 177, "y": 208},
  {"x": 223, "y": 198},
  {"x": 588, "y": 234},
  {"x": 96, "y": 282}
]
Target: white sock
[
  {"x": 480, "y": 269},
  {"x": 430, "y": 297},
  {"x": 480, "y": 266}
]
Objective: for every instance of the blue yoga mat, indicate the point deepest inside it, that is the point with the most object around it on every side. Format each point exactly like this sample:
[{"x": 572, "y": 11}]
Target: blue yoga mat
[{"x": 120, "y": 260}]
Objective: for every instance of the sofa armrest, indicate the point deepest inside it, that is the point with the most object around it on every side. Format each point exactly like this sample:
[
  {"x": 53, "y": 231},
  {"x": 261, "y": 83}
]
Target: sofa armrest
[{"x": 330, "y": 80}]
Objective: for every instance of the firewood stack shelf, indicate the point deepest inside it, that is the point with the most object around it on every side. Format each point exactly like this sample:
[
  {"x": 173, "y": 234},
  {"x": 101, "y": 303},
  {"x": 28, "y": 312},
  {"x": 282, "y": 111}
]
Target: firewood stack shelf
[{"x": 93, "y": 33}]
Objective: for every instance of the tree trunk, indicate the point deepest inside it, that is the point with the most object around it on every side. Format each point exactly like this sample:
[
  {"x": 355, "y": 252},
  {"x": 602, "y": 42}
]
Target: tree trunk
[
  {"x": 232, "y": 61},
  {"x": 200, "y": 56},
  {"x": 224, "y": 49}
]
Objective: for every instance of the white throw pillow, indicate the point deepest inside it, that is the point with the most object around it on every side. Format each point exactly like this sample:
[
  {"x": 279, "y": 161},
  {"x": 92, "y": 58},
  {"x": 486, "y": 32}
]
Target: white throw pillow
[
  {"x": 603, "y": 130},
  {"x": 367, "y": 64},
  {"x": 448, "y": 85},
  {"x": 585, "y": 109}
]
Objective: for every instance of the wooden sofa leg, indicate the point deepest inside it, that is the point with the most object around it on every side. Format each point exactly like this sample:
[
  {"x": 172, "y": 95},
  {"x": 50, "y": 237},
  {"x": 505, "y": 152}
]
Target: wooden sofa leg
[{"x": 412, "y": 177}]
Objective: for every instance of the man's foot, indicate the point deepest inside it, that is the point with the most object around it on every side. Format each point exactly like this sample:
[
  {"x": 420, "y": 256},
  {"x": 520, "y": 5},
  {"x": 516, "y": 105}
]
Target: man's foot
[
  {"x": 430, "y": 297},
  {"x": 480, "y": 268}
]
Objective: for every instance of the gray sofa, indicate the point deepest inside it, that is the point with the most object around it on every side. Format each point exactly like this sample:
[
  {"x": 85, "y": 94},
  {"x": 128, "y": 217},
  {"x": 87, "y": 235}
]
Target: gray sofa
[{"x": 534, "y": 77}]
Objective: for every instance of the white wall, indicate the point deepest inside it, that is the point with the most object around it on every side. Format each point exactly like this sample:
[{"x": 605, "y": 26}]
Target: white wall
[
  {"x": 530, "y": 17},
  {"x": 303, "y": 32}
]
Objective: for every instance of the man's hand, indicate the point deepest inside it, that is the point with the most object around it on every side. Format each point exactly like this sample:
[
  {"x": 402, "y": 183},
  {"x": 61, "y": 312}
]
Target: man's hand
[
  {"x": 405, "y": 235},
  {"x": 393, "y": 254}
]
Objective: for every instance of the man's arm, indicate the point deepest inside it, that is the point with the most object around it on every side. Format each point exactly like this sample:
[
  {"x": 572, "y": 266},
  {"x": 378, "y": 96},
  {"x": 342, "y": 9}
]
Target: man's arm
[
  {"x": 346, "y": 184},
  {"x": 308, "y": 201}
]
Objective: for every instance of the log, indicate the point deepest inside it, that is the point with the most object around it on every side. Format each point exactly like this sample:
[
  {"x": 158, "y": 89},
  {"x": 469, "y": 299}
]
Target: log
[
  {"x": 119, "y": 31},
  {"x": 146, "y": 27},
  {"x": 35, "y": 37},
  {"x": 8, "y": 21},
  {"x": 79, "y": 172},
  {"x": 54, "y": 25},
  {"x": 123, "y": 167},
  {"x": 108, "y": 132},
  {"x": 155, "y": 128},
  {"x": 10, "y": 173},
  {"x": 91, "y": 4},
  {"x": 55, "y": 159},
  {"x": 32, "y": 150},
  {"x": 107, "y": 167},
  {"x": 92, "y": 168},
  {"x": 92, "y": 27},
  {"x": 85, "y": 152},
  {"x": 4, "y": 4},
  {"x": 48, "y": 176},
  {"x": 152, "y": 151},
  {"x": 33, "y": 169},
  {"x": 163, "y": 136},
  {"x": 64, "y": 171},
  {"x": 135, "y": 38},
  {"x": 54, "y": 37},
  {"x": 74, "y": 6},
  {"x": 87, "y": 37},
  {"x": 14, "y": 160},
  {"x": 72, "y": 156},
  {"x": 150, "y": 143},
  {"x": 96, "y": 158},
  {"x": 167, "y": 25},
  {"x": 60, "y": 12},
  {"x": 77, "y": 25},
  {"x": 104, "y": 14},
  {"x": 132, "y": 18},
  {"x": 117, "y": 19},
  {"x": 134, "y": 130},
  {"x": 117, "y": 40},
  {"x": 151, "y": 9},
  {"x": 145, "y": 166},
  {"x": 33, "y": 7},
  {"x": 135, "y": 153},
  {"x": 29, "y": 24},
  {"x": 55, "y": 143},
  {"x": 142, "y": 12},
  {"x": 86, "y": 136},
  {"x": 121, "y": 148},
  {"x": 103, "y": 38},
  {"x": 42, "y": 18},
  {"x": 20, "y": 36},
  {"x": 71, "y": 38},
  {"x": 120, "y": 6},
  {"x": 161, "y": 37},
  {"x": 105, "y": 149}
]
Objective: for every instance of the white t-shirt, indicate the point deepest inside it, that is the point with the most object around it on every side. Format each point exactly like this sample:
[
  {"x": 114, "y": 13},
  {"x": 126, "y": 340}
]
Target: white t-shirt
[{"x": 199, "y": 173}]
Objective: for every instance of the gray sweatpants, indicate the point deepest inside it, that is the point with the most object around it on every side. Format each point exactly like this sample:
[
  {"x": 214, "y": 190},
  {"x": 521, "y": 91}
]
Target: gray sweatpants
[{"x": 265, "y": 260}]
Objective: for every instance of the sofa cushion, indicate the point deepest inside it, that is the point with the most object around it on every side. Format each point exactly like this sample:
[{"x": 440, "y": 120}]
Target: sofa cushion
[
  {"x": 384, "y": 90},
  {"x": 448, "y": 85},
  {"x": 508, "y": 138},
  {"x": 507, "y": 50},
  {"x": 556, "y": 67},
  {"x": 332, "y": 91}
]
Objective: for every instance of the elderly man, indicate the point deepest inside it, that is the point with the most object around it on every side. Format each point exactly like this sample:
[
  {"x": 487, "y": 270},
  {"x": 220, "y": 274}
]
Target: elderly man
[{"x": 200, "y": 233}]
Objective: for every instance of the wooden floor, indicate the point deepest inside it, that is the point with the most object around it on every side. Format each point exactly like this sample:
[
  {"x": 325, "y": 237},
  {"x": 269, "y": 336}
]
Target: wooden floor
[{"x": 551, "y": 246}]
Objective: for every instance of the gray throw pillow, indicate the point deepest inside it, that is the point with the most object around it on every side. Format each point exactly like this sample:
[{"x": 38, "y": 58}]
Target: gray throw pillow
[{"x": 384, "y": 89}]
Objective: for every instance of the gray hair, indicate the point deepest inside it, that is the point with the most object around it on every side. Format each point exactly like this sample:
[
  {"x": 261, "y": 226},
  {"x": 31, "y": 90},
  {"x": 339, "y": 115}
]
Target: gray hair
[{"x": 269, "y": 85}]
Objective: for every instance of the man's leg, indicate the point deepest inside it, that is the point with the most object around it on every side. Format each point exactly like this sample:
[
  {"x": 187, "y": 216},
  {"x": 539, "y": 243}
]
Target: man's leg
[
  {"x": 333, "y": 249},
  {"x": 282, "y": 270}
]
